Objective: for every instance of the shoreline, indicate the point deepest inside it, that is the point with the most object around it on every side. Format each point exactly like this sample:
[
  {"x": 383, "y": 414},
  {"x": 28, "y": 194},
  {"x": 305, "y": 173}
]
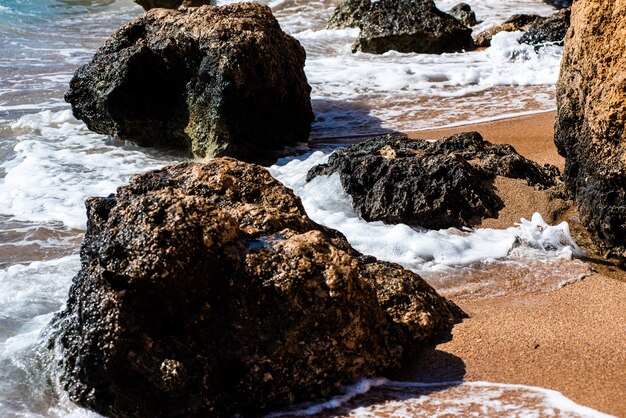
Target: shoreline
[{"x": 570, "y": 340}]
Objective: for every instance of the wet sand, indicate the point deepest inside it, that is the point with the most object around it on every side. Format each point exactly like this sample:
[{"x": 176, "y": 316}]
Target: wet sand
[{"x": 572, "y": 340}]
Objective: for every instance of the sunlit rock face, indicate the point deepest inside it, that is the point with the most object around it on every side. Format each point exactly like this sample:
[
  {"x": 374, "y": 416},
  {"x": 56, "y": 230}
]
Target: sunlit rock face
[{"x": 591, "y": 118}]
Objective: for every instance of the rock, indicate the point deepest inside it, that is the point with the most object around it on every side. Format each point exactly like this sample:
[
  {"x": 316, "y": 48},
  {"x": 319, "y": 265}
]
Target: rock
[
  {"x": 205, "y": 290},
  {"x": 172, "y": 4},
  {"x": 550, "y": 30},
  {"x": 464, "y": 13},
  {"x": 590, "y": 130},
  {"x": 559, "y": 4},
  {"x": 348, "y": 14},
  {"x": 216, "y": 80},
  {"x": 403, "y": 26},
  {"x": 518, "y": 22},
  {"x": 441, "y": 184}
]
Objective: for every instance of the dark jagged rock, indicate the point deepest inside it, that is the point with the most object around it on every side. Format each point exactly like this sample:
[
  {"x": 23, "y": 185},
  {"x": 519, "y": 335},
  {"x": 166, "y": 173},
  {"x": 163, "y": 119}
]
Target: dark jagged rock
[
  {"x": 590, "y": 131},
  {"x": 550, "y": 30},
  {"x": 441, "y": 184},
  {"x": 205, "y": 290},
  {"x": 403, "y": 26},
  {"x": 172, "y": 4},
  {"x": 216, "y": 80},
  {"x": 518, "y": 22},
  {"x": 464, "y": 13}
]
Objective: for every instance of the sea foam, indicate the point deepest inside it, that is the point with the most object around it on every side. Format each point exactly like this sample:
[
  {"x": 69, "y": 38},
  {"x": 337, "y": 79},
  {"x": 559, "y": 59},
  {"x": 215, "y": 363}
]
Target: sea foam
[
  {"x": 411, "y": 399},
  {"x": 326, "y": 202}
]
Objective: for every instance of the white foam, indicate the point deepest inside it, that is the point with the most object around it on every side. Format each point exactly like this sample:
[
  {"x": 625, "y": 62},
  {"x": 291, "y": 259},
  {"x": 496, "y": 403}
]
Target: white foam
[
  {"x": 406, "y": 399},
  {"x": 421, "y": 250},
  {"x": 58, "y": 163}
]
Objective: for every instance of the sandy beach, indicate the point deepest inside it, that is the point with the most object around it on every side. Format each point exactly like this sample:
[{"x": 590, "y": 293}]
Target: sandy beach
[{"x": 572, "y": 340}]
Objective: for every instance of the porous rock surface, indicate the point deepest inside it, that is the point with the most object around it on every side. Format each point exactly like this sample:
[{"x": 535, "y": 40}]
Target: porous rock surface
[
  {"x": 590, "y": 130},
  {"x": 538, "y": 30},
  {"x": 172, "y": 4},
  {"x": 440, "y": 184},
  {"x": 205, "y": 290},
  {"x": 517, "y": 22},
  {"x": 464, "y": 13},
  {"x": 402, "y": 25},
  {"x": 550, "y": 30},
  {"x": 220, "y": 81}
]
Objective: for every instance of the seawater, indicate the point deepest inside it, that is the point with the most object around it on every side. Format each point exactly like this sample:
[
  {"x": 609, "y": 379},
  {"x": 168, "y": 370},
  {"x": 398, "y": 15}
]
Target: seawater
[{"x": 50, "y": 162}]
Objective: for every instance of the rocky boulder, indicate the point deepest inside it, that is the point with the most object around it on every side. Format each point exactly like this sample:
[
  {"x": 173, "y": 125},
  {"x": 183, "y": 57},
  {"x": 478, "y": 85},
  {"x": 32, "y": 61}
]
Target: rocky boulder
[
  {"x": 216, "y": 80},
  {"x": 550, "y": 30},
  {"x": 205, "y": 290},
  {"x": 440, "y": 184},
  {"x": 590, "y": 130},
  {"x": 464, "y": 13},
  {"x": 172, "y": 4},
  {"x": 518, "y": 22},
  {"x": 403, "y": 26}
]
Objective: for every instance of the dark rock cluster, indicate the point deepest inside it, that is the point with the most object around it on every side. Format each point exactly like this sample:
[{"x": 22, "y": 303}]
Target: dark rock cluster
[
  {"x": 215, "y": 80},
  {"x": 550, "y": 30},
  {"x": 205, "y": 290},
  {"x": 440, "y": 184},
  {"x": 538, "y": 30},
  {"x": 403, "y": 26},
  {"x": 464, "y": 13}
]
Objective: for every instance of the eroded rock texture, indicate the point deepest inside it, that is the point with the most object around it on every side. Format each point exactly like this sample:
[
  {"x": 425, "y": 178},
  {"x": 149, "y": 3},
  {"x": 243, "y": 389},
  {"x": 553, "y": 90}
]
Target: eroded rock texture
[
  {"x": 518, "y": 22},
  {"x": 464, "y": 13},
  {"x": 441, "y": 184},
  {"x": 172, "y": 4},
  {"x": 591, "y": 118},
  {"x": 403, "y": 26},
  {"x": 550, "y": 30},
  {"x": 220, "y": 81},
  {"x": 205, "y": 290}
]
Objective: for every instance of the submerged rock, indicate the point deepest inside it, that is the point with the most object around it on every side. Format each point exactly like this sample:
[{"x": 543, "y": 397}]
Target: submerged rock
[
  {"x": 216, "y": 80},
  {"x": 591, "y": 119},
  {"x": 550, "y": 30},
  {"x": 205, "y": 290},
  {"x": 440, "y": 184},
  {"x": 464, "y": 13},
  {"x": 172, "y": 4},
  {"x": 559, "y": 4},
  {"x": 518, "y": 22},
  {"x": 403, "y": 26}
]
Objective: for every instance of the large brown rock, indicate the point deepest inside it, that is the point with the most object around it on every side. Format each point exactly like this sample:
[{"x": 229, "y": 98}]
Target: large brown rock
[
  {"x": 591, "y": 118},
  {"x": 220, "y": 81},
  {"x": 205, "y": 290}
]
